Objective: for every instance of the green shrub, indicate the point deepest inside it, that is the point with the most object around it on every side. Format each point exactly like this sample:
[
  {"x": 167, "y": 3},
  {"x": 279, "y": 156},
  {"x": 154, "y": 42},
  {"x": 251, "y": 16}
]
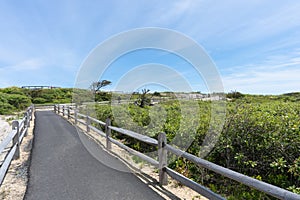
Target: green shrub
[
  {"x": 6, "y": 109},
  {"x": 260, "y": 138},
  {"x": 39, "y": 100},
  {"x": 13, "y": 90},
  {"x": 19, "y": 101}
]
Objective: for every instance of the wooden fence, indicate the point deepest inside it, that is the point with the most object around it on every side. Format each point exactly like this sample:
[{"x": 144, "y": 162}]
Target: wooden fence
[
  {"x": 163, "y": 149},
  {"x": 11, "y": 143}
]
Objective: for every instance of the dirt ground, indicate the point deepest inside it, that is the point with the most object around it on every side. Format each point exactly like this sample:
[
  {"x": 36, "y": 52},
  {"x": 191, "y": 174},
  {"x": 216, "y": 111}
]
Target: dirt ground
[
  {"x": 4, "y": 127},
  {"x": 15, "y": 182}
]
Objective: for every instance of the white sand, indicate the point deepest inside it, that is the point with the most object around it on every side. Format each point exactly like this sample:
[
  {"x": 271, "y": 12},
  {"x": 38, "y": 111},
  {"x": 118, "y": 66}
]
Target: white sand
[
  {"x": 5, "y": 128},
  {"x": 15, "y": 182}
]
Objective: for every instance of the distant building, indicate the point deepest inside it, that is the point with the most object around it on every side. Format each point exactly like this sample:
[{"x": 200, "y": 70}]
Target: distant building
[
  {"x": 195, "y": 96},
  {"x": 38, "y": 87}
]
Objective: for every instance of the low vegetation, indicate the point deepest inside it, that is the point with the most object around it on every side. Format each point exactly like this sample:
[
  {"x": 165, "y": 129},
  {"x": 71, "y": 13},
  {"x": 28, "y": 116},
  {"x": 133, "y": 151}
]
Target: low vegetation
[
  {"x": 14, "y": 99},
  {"x": 260, "y": 137}
]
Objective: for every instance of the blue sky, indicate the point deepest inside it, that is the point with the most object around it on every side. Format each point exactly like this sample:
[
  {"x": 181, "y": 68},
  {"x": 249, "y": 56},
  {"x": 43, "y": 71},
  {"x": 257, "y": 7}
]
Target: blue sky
[{"x": 254, "y": 44}]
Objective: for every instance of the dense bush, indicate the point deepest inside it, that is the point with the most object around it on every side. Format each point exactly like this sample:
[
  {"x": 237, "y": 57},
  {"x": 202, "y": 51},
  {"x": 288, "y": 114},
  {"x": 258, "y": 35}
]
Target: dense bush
[
  {"x": 234, "y": 95},
  {"x": 260, "y": 138},
  {"x": 18, "y": 101},
  {"x": 15, "y": 99},
  {"x": 10, "y": 102},
  {"x": 14, "y": 90},
  {"x": 80, "y": 96},
  {"x": 102, "y": 96},
  {"x": 39, "y": 100},
  {"x": 56, "y": 95},
  {"x": 6, "y": 108}
]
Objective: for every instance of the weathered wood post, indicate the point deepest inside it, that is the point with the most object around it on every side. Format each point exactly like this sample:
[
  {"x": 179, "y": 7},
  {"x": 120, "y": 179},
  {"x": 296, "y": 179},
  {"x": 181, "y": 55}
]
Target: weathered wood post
[
  {"x": 54, "y": 108},
  {"x": 58, "y": 109},
  {"x": 26, "y": 122},
  {"x": 88, "y": 122},
  {"x": 63, "y": 110},
  {"x": 108, "y": 133},
  {"x": 75, "y": 116},
  {"x": 30, "y": 113},
  {"x": 16, "y": 140},
  {"x": 69, "y": 113},
  {"x": 28, "y": 119},
  {"x": 162, "y": 159}
]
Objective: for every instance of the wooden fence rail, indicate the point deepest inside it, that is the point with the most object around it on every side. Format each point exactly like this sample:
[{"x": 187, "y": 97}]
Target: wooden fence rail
[
  {"x": 11, "y": 144},
  {"x": 163, "y": 149}
]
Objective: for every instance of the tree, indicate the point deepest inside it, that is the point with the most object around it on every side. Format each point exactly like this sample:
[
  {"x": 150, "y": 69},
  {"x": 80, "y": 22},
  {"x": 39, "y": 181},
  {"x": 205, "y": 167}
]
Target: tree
[
  {"x": 96, "y": 86},
  {"x": 156, "y": 94},
  {"x": 234, "y": 95},
  {"x": 143, "y": 98}
]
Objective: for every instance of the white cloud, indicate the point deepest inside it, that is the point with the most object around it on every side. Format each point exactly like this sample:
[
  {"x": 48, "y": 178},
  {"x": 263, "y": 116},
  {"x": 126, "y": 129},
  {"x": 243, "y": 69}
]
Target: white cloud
[
  {"x": 230, "y": 24},
  {"x": 273, "y": 22},
  {"x": 277, "y": 74},
  {"x": 18, "y": 73},
  {"x": 39, "y": 35},
  {"x": 179, "y": 8},
  {"x": 29, "y": 64},
  {"x": 166, "y": 13}
]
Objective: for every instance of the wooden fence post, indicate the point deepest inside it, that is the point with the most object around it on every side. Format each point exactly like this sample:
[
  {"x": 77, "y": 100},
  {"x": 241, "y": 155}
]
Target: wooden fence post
[
  {"x": 26, "y": 123},
  {"x": 75, "y": 115},
  {"x": 63, "y": 110},
  {"x": 88, "y": 123},
  {"x": 15, "y": 126},
  {"x": 31, "y": 113},
  {"x": 29, "y": 117},
  {"x": 68, "y": 112},
  {"x": 54, "y": 108},
  {"x": 58, "y": 109},
  {"x": 108, "y": 132},
  {"x": 162, "y": 159}
]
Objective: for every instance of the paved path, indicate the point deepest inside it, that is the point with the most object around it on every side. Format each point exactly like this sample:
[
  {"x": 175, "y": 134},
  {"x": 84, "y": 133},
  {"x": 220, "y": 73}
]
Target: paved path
[{"x": 62, "y": 169}]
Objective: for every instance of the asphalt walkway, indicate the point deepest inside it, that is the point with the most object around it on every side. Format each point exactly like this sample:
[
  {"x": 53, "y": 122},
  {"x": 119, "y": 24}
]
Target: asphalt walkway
[{"x": 62, "y": 168}]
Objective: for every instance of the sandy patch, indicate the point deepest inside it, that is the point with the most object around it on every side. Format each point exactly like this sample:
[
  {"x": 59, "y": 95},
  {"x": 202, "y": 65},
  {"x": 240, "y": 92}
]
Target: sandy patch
[
  {"x": 5, "y": 128},
  {"x": 15, "y": 182}
]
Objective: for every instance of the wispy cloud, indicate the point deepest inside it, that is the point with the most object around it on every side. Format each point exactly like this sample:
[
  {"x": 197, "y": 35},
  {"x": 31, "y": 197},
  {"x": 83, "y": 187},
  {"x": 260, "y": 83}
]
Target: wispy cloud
[
  {"x": 277, "y": 74},
  {"x": 51, "y": 38},
  {"x": 176, "y": 10},
  {"x": 22, "y": 72},
  {"x": 26, "y": 65},
  {"x": 276, "y": 21}
]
